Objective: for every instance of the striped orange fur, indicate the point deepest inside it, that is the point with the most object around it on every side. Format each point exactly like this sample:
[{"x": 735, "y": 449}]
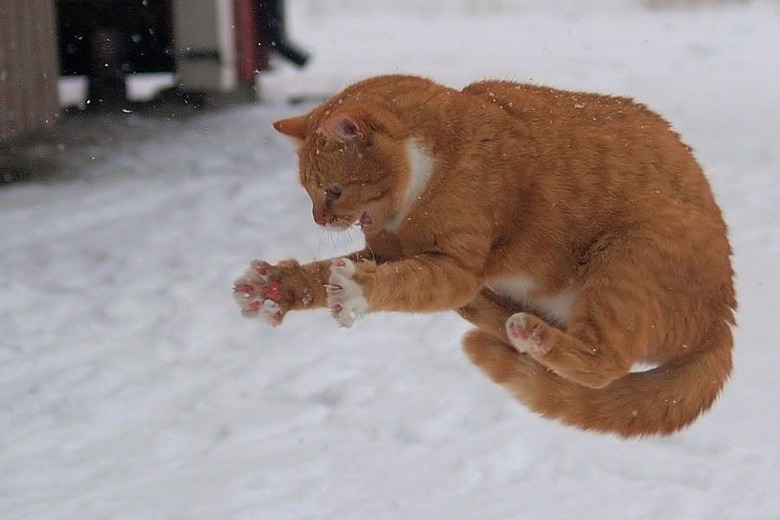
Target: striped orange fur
[{"x": 574, "y": 230}]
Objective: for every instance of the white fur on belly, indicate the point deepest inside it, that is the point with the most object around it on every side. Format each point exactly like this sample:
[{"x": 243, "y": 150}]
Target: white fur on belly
[
  {"x": 521, "y": 288},
  {"x": 557, "y": 305}
]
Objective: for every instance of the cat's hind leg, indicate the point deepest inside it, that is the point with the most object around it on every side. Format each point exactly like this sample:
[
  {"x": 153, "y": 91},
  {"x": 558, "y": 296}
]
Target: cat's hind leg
[
  {"x": 508, "y": 343},
  {"x": 581, "y": 362},
  {"x": 489, "y": 311},
  {"x": 529, "y": 381},
  {"x": 498, "y": 359},
  {"x": 616, "y": 318}
]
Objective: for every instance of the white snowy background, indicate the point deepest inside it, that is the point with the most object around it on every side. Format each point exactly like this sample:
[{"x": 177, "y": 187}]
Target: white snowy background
[{"x": 131, "y": 388}]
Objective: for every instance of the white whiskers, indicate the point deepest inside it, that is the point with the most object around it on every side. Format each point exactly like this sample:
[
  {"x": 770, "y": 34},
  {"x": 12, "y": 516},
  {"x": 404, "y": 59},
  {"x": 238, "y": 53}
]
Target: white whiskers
[{"x": 338, "y": 242}]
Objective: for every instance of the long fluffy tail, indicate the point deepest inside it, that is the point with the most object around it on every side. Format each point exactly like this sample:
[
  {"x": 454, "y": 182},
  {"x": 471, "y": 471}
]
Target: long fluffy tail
[{"x": 656, "y": 402}]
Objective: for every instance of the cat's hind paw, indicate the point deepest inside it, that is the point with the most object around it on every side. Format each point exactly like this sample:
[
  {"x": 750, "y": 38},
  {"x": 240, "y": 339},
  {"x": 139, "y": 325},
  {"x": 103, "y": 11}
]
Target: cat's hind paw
[
  {"x": 525, "y": 333},
  {"x": 345, "y": 296},
  {"x": 259, "y": 296}
]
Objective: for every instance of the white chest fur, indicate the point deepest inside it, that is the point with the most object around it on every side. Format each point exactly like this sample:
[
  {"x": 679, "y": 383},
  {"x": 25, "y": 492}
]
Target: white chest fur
[
  {"x": 420, "y": 163},
  {"x": 523, "y": 290}
]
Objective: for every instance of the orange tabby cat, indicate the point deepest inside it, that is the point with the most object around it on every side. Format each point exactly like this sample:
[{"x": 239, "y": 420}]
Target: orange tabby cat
[{"x": 575, "y": 230}]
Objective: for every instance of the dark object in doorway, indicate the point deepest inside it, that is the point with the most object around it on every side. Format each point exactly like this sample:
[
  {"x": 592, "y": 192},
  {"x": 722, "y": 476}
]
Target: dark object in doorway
[{"x": 272, "y": 32}]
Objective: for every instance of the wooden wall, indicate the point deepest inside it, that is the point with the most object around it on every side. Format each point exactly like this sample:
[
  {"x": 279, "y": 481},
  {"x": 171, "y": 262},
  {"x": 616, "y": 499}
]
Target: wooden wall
[{"x": 29, "y": 67}]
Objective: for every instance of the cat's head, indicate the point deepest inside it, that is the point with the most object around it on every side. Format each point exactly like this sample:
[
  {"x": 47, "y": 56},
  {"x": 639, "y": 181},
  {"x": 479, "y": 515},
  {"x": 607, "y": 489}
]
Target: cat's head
[{"x": 352, "y": 164}]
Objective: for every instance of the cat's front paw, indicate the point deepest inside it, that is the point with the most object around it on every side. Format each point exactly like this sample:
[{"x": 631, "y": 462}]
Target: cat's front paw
[
  {"x": 259, "y": 296},
  {"x": 267, "y": 292},
  {"x": 345, "y": 296}
]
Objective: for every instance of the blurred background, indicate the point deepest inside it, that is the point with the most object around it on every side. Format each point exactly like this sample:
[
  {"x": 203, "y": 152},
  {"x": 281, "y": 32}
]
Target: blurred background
[{"x": 139, "y": 174}]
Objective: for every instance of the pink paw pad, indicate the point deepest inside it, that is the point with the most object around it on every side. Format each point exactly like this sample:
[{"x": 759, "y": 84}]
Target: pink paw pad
[
  {"x": 253, "y": 306},
  {"x": 258, "y": 296},
  {"x": 525, "y": 336},
  {"x": 273, "y": 291},
  {"x": 520, "y": 333}
]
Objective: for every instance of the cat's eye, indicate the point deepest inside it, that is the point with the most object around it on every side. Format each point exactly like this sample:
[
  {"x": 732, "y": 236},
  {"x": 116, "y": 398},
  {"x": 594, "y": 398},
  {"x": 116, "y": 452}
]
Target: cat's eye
[{"x": 333, "y": 192}]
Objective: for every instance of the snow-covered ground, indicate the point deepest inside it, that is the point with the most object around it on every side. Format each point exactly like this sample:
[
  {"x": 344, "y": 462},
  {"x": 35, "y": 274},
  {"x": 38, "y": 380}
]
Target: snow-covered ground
[{"x": 130, "y": 387}]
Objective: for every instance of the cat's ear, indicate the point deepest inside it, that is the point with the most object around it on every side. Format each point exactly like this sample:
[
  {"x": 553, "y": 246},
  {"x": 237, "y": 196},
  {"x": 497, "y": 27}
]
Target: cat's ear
[
  {"x": 342, "y": 128},
  {"x": 294, "y": 127}
]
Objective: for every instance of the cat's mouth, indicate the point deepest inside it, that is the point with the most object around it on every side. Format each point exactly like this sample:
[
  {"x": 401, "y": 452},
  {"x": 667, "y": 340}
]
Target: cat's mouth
[{"x": 366, "y": 220}]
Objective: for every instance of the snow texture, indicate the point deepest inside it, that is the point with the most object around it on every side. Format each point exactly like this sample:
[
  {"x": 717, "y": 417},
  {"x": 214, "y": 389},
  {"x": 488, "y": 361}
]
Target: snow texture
[{"x": 132, "y": 388}]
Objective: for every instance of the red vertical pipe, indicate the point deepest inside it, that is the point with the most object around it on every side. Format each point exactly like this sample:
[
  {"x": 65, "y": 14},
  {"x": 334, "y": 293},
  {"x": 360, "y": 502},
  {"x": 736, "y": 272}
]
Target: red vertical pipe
[{"x": 251, "y": 57}]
